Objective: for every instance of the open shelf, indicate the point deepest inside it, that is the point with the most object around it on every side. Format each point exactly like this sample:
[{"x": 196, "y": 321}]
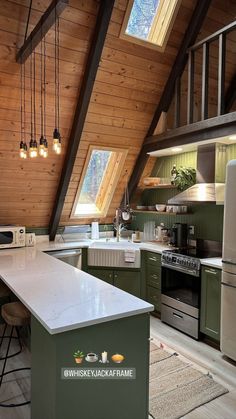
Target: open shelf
[
  {"x": 161, "y": 213},
  {"x": 164, "y": 186}
]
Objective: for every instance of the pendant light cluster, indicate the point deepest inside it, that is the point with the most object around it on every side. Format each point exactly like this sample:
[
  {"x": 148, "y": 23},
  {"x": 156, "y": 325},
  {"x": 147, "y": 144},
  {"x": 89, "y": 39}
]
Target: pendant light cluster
[{"x": 40, "y": 147}]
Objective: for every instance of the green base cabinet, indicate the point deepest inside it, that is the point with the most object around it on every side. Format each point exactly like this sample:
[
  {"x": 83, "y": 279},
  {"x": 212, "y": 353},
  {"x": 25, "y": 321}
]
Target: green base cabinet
[
  {"x": 56, "y": 398},
  {"x": 151, "y": 277},
  {"x": 210, "y": 302},
  {"x": 129, "y": 281}
]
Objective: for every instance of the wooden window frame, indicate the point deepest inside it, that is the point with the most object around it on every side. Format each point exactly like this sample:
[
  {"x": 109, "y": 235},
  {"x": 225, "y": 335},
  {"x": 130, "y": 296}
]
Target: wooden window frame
[
  {"x": 164, "y": 18},
  {"x": 108, "y": 184}
]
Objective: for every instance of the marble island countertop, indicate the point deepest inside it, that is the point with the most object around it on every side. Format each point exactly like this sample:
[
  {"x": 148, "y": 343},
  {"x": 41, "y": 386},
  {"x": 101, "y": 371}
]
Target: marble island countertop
[{"x": 61, "y": 297}]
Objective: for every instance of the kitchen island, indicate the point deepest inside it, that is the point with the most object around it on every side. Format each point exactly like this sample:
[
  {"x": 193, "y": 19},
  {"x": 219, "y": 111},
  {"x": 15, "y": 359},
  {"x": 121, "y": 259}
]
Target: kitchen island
[{"x": 71, "y": 311}]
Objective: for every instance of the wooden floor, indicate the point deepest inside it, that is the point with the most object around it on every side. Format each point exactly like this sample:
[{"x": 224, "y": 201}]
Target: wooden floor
[
  {"x": 204, "y": 356},
  {"x": 207, "y": 358}
]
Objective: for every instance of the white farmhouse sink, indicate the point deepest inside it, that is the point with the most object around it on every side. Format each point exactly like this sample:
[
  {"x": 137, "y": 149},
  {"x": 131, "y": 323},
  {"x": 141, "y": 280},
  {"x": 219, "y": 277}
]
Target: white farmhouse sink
[{"x": 112, "y": 254}]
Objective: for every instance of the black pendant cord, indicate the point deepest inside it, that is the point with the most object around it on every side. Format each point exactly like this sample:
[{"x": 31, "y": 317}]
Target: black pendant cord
[
  {"x": 31, "y": 97},
  {"x": 24, "y": 102},
  {"x": 21, "y": 105},
  {"x": 28, "y": 19},
  {"x": 44, "y": 85},
  {"x": 41, "y": 88},
  {"x": 58, "y": 75},
  {"x": 55, "y": 68},
  {"x": 34, "y": 74}
]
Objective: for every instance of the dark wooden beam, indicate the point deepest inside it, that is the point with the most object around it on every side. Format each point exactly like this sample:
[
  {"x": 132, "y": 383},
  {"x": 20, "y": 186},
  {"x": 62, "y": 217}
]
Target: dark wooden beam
[
  {"x": 97, "y": 43},
  {"x": 211, "y": 128},
  {"x": 177, "y": 102},
  {"x": 190, "y": 36},
  {"x": 221, "y": 75},
  {"x": 190, "y": 98},
  {"x": 230, "y": 96},
  {"x": 44, "y": 24},
  {"x": 205, "y": 80}
]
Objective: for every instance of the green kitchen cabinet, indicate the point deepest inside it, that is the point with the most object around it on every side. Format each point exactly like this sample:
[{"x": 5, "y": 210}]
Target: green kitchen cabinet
[
  {"x": 210, "y": 302},
  {"x": 104, "y": 274},
  {"x": 151, "y": 278},
  {"x": 128, "y": 281}
]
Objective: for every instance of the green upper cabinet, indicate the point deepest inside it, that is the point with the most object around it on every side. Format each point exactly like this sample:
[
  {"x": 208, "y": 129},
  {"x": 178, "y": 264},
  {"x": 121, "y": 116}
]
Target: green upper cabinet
[{"x": 210, "y": 302}]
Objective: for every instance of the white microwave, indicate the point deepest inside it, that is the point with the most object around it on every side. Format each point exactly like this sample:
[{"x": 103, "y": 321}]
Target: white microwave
[{"x": 12, "y": 236}]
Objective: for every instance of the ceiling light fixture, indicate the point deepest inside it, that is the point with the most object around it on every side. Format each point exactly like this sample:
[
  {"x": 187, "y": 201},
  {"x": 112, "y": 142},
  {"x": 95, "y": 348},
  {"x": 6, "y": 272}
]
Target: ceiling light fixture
[
  {"x": 176, "y": 149},
  {"x": 56, "y": 132}
]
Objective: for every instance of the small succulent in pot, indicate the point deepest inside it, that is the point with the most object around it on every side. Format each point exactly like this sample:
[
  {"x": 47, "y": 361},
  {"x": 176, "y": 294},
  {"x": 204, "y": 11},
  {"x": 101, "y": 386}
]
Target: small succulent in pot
[
  {"x": 78, "y": 355},
  {"x": 185, "y": 177}
]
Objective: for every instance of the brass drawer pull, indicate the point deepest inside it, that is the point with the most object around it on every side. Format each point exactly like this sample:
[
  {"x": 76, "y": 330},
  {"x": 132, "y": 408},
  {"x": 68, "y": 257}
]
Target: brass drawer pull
[
  {"x": 154, "y": 276},
  {"x": 153, "y": 258}
]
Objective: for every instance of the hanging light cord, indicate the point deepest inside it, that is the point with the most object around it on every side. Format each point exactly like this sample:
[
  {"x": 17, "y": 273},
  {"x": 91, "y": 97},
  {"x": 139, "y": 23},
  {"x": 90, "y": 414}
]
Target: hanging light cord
[
  {"x": 58, "y": 66},
  {"x": 41, "y": 76},
  {"x": 24, "y": 102},
  {"x": 21, "y": 103},
  {"x": 44, "y": 84},
  {"x": 34, "y": 73},
  {"x": 55, "y": 69},
  {"x": 28, "y": 19},
  {"x": 31, "y": 95}
]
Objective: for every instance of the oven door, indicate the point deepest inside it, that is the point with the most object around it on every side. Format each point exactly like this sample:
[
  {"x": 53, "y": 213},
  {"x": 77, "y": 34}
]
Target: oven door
[
  {"x": 181, "y": 290},
  {"x": 7, "y": 238}
]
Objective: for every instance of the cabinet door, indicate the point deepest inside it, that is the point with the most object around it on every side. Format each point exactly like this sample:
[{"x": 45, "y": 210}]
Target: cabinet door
[
  {"x": 153, "y": 276},
  {"x": 104, "y": 274},
  {"x": 128, "y": 281},
  {"x": 154, "y": 297},
  {"x": 210, "y": 302}
]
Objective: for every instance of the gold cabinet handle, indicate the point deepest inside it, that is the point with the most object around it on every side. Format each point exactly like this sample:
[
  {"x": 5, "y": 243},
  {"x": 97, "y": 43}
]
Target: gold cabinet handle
[
  {"x": 210, "y": 272},
  {"x": 152, "y": 258}
]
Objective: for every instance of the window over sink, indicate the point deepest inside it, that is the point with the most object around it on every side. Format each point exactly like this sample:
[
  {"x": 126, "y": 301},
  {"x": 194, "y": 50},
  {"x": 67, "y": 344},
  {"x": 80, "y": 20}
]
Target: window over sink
[{"x": 99, "y": 179}]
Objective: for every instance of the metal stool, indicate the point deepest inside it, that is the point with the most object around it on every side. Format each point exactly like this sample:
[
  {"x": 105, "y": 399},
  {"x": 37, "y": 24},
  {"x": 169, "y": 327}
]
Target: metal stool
[{"x": 15, "y": 315}]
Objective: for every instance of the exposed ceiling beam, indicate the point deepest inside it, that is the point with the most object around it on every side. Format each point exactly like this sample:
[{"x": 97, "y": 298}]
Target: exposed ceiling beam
[
  {"x": 212, "y": 128},
  {"x": 46, "y": 21},
  {"x": 190, "y": 36},
  {"x": 97, "y": 43},
  {"x": 230, "y": 96}
]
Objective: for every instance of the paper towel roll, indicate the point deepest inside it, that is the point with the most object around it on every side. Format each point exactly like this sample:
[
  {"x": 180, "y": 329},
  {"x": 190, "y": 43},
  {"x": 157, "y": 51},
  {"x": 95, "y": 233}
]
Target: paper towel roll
[{"x": 95, "y": 230}]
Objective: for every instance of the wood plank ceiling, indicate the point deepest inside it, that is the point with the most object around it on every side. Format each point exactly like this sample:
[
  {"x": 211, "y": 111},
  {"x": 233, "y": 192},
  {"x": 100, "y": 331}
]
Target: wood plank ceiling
[{"x": 127, "y": 88}]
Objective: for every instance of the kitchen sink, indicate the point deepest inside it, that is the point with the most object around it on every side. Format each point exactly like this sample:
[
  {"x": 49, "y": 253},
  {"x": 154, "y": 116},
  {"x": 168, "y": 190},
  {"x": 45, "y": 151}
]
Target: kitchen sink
[{"x": 112, "y": 254}]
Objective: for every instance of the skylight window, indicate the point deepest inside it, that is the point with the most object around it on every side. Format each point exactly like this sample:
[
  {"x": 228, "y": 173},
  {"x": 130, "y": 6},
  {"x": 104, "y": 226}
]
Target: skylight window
[
  {"x": 149, "y": 21},
  {"x": 98, "y": 182}
]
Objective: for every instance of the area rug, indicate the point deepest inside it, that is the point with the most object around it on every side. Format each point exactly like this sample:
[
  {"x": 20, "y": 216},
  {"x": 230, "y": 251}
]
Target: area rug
[{"x": 176, "y": 388}]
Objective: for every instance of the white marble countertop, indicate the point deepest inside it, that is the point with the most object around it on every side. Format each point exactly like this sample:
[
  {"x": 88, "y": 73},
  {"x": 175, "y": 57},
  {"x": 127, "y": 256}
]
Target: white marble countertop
[
  {"x": 61, "y": 297},
  {"x": 152, "y": 247},
  {"x": 212, "y": 262}
]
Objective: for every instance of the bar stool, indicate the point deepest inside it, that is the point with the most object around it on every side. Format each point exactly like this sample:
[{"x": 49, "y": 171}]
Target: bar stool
[{"x": 15, "y": 315}]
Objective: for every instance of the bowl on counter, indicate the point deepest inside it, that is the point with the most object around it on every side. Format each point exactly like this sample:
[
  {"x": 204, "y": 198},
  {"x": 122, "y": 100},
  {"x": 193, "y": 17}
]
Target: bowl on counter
[
  {"x": 141, "y": 207},
  {"x": 160, "y": 207}
]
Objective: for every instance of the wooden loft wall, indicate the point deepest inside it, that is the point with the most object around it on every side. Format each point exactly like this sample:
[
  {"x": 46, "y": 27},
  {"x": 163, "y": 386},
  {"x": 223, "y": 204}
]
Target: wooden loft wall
[
  {"x": 128, "y": 86},
  {"x": 220, "y": 14},
  {"x": 28, "y": 188}
]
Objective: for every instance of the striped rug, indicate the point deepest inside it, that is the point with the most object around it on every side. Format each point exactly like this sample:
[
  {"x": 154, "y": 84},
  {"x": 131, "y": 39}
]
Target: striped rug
[{"x": 176, "y": 388}]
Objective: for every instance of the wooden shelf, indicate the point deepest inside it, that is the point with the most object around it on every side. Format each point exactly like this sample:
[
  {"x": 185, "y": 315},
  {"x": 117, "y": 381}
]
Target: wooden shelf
[
  {"x": 161, "y": 213},
  {"x": 164, "y": 186}
]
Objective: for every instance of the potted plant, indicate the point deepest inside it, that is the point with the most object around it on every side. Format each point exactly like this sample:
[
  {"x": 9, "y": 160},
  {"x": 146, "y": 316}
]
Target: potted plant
[
  {"x": 185, "y": 177},
  {"x": 78, "y": 355}
]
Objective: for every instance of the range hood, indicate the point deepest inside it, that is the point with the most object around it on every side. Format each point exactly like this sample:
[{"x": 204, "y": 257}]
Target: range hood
[{"x": 209, "y": 187}]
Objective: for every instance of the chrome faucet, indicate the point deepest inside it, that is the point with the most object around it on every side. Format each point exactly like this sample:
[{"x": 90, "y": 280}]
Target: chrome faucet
[{"x": 118, "y": 225}]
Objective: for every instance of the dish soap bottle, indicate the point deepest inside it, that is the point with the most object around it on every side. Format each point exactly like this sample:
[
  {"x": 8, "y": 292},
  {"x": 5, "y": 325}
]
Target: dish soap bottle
[{"x": 173, "y": 174}]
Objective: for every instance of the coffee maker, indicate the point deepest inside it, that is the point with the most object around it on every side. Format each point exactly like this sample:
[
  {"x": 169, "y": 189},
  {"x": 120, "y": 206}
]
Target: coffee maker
[{"x": 179, "y": 235}]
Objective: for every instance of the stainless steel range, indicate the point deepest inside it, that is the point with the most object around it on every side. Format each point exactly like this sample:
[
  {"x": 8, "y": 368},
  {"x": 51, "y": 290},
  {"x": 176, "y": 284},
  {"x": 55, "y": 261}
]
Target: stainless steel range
[{"x": 181, "y": 286}]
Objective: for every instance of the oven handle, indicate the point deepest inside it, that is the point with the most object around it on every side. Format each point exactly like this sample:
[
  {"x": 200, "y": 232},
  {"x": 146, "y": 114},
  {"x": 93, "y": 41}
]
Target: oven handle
[
  {"x": 178, "y": 316},
  {"x": 177, "y": 268}
]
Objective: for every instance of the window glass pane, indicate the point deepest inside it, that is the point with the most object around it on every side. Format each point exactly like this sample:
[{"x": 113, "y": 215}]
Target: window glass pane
[
  {"x": 141, "y": 18},
  {"x": 98, "y": 163}
]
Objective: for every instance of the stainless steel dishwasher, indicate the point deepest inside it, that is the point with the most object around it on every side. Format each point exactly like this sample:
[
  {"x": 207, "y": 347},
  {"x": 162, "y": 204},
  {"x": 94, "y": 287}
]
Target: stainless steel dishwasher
[{"x": 71, "y": 256}]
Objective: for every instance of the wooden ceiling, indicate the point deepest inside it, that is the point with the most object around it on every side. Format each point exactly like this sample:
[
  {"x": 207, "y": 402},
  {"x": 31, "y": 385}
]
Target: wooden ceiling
[{"x": 128, "y": 86}]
